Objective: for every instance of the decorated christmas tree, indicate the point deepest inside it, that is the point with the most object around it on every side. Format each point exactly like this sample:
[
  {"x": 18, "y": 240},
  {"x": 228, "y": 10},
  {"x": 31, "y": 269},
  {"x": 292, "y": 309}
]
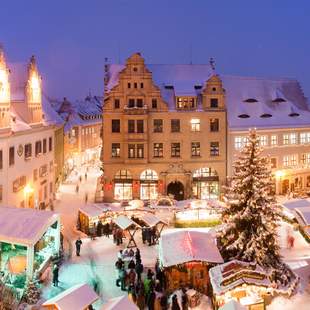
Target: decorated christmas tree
[
  {"x": 251, "y": 218},
  {"x": 32, "y": 293}
]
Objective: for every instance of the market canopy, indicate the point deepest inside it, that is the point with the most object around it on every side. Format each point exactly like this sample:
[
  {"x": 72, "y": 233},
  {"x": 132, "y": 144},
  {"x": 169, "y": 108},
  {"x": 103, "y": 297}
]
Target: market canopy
[
  {"x": 296, "y": 203},
  {"x": 152, "y": 220},
  {"x": 24, "y": 226},
  {"x": 179, "y": 247},
  {"x": 303, "y": 215},
  {"x": 78, "y": 297},
  {"x": 120, "y": 303},
  {"x": 97, "y": 209},
  {"x": 125, "y": 223}
]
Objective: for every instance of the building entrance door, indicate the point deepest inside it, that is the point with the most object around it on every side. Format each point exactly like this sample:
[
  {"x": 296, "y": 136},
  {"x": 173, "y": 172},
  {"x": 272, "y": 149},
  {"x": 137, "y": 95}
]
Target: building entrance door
[{"x": 176, "y": 189}]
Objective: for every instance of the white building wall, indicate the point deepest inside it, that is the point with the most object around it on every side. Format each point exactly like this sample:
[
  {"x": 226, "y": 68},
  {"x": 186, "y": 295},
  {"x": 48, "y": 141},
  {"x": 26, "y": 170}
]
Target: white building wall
[{"x": 42, "y": 188}]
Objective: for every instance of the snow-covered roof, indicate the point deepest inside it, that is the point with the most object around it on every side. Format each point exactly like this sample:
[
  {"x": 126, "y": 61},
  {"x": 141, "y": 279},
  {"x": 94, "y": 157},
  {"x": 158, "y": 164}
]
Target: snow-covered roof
[
  {"x": 120, "y": 303},
  {"x": 97, "y": 209},
  {"x": 17, "y": 123},
  {"x": 230, "y": 275},
  {"x": 51, "y": 117},
  {"x": 124, "y": 222},
  {"x": 251, "y": 101},
  {"x": 24, "y": 226},
  {"x": 233, "y": 305},
  {"x": 296, "y": 203},
  {"x": 264, "y": 102},
  {"x": 151, "y": 220},
  {"x": 78, "y": 297},
  {"x": 179, "y": 247},
  {"x": 303, "y": 214}
]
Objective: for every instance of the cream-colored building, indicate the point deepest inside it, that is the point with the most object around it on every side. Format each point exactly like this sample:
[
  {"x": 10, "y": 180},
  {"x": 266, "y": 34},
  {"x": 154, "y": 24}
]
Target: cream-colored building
[
  {"x": 164, "y": 131},
  {"x": 279, "y": 111},
  {"x": 26, "y": 140}
]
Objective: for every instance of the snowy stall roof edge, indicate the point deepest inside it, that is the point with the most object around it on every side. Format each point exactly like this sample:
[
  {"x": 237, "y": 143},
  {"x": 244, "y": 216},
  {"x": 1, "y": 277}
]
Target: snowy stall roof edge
[
  {"x": 78, "y": 297},
  {"x": 24, "y": 226},
  {"x": 179, "y": 247},
  {"x": 119, "y": 303}
]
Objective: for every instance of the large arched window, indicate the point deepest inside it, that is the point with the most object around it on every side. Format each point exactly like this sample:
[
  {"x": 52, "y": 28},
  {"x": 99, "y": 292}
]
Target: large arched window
[
  {"x": 149, "y": 175},
  {"x": 204, "y": 173},
  {"x": 123, "y": 175}
]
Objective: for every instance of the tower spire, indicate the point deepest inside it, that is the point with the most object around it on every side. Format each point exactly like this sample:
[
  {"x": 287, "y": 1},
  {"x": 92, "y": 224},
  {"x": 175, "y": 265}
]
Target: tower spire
[{"x": 212, "y": 63}]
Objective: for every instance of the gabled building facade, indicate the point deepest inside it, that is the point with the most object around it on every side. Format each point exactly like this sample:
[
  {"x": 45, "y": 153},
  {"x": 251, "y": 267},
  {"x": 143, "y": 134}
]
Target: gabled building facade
[
  {"x": 26, "y": 139},
  {"x": 164, "y": 131}
]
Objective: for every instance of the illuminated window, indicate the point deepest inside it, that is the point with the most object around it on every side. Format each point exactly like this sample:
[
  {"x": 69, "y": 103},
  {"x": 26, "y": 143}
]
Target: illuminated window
[
  {"x": 274, "y": 140},
  {"x": 263, "y": 140},
  {"x": 175, "y": 150},
  {"x": 186, "y": 102},
  {"x": 286, "y": 139},
  {"x": 28, "y": 151},
  {"x": 214, "y": 124},
  {"x": 116, "y": 150},
  {"x": 195, "y": 124},
  {"x": 305, "y": 137},
  {"x": 131, "y": 151},
  {"x": 195, "y": 149},
  {"x": 240, "y": 142},
  {"x": 293, "y": 138},
  {"x": 140, "y": 150},
  {"x": 158, "y": 150},
  {"x": 294, "y": 160},
  {"x": 286, "y": 161},
  {"x": 305, "y": 159}
]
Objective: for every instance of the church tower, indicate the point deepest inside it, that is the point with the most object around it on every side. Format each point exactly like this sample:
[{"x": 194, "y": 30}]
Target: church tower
[
  {"x": 4, "y": 93},
  {"x": 34, "y": 93}
]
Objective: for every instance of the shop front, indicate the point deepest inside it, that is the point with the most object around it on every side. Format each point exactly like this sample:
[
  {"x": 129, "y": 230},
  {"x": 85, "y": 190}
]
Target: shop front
[
  {"x": 148, "y": 185},
  {"x": 205, "y": 183},
  {"x": 123, "y": 185}
]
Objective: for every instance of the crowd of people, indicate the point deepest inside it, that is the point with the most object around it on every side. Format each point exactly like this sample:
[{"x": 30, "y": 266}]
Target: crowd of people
[{"x": 145, "y": 289}]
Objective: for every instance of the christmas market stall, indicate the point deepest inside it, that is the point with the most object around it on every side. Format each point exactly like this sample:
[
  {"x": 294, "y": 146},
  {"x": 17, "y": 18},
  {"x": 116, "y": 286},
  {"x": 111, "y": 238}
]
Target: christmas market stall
[
  {"x": 120, "y": 303},
  {"x": 232, "y": 305},
  {"x": 185, "y": 257},
  {"x": 28, "y": 240},
  {"x": 246, "y": 283},
  {"x": 91, "y": 214},
  {"x": 78, "y": 297},
  {"x": 128, "y": 227},
  {"x": 154, "y": 223}
]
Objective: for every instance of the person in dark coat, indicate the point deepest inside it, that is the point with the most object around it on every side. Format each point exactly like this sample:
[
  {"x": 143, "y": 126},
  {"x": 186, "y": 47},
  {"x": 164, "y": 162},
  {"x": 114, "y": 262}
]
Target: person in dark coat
[
  {"x": 78, "y": 244},
  {"x": 151, "y": 300},
  {"x": 139, "y": 270},
  {"x": 131, "y": 265},
  {"x": 175, "y": 304},
  {"x": 99, "y": 229},
  {"x": 138, "y": 255},
  {"x": 164, "y": 302},
  {"x": 55, "y": 275},
  {"x": 122, "y": 276}
]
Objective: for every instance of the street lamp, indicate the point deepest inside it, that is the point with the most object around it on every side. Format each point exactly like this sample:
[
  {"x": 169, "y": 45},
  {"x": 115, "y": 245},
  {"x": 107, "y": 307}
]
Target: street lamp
[{"x": 28, "y": 190}]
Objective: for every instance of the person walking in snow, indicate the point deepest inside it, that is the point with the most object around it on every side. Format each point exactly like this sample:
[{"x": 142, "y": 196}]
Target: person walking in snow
[
  {"x": 86, "y": 198},
  {"x": 55, "y": 275},
  {"x": 85, "y": 176},
  {"x": 77, "y": 188},
  {"x": 78, "y": 244}
]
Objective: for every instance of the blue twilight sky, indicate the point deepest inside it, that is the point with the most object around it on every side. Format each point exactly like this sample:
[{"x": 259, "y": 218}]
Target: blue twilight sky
[{"x": 71, "y": 37}]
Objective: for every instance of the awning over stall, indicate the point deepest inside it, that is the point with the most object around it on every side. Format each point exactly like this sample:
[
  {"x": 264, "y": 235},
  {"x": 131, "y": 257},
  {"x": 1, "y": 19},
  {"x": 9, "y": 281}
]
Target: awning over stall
[
  {"x": 24, "y": 226},
  {"x": 151, "y": 220},
  {"x": 120, "y": 303},
  {"x": 179, "y": 247},
  {"x": 78, "y": 297}
]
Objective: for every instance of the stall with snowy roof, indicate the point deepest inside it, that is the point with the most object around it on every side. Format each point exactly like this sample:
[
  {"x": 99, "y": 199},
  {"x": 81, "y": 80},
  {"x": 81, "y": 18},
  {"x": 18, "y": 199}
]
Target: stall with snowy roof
[
  {"x": 120, "y": 303},
  {"x": 303, "y": 218},
  {"x": 28, "y": 240},
  {"x": 186, "y": 256},
  {"x": 78, "y": 297},
  {"x": 128, "y": 227},
  {"x": 91, "y": 214},
  {"x": 248, "y": 283}
]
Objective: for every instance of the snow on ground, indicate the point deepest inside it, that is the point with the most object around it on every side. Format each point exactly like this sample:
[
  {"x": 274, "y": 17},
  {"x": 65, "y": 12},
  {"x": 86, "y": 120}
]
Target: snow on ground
[{"x": 96, "y": 263}]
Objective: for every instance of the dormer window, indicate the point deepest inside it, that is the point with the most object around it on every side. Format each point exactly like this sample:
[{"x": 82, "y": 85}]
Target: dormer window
[
  {"x": 278, "y": 100},
  {"x": 198, "y": 87},
  {"x": 293, "y": 114},
  {"x": 250, "y": 100},
  {"x": 243, "y": 116},
  {"x": 186, "y": 103},
  {"x": 168, "y": 87},
  {"x": 266, "y": 115}
]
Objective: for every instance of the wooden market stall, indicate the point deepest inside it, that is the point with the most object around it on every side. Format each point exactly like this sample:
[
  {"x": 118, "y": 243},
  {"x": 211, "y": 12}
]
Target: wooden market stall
[
  {"x": 247, "y": 283},
  {"x": 89, "y": 215},
  {"x": 152, "y": 221},
  {"x": 78, "y": 297},
  {"x": 186, "y": 256},
  {"x": 28, "y": 240},
  {"x": 303, "y": 218},
  {"x": 120, "y": 303},
  {"x": 128, "y": 226}
]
